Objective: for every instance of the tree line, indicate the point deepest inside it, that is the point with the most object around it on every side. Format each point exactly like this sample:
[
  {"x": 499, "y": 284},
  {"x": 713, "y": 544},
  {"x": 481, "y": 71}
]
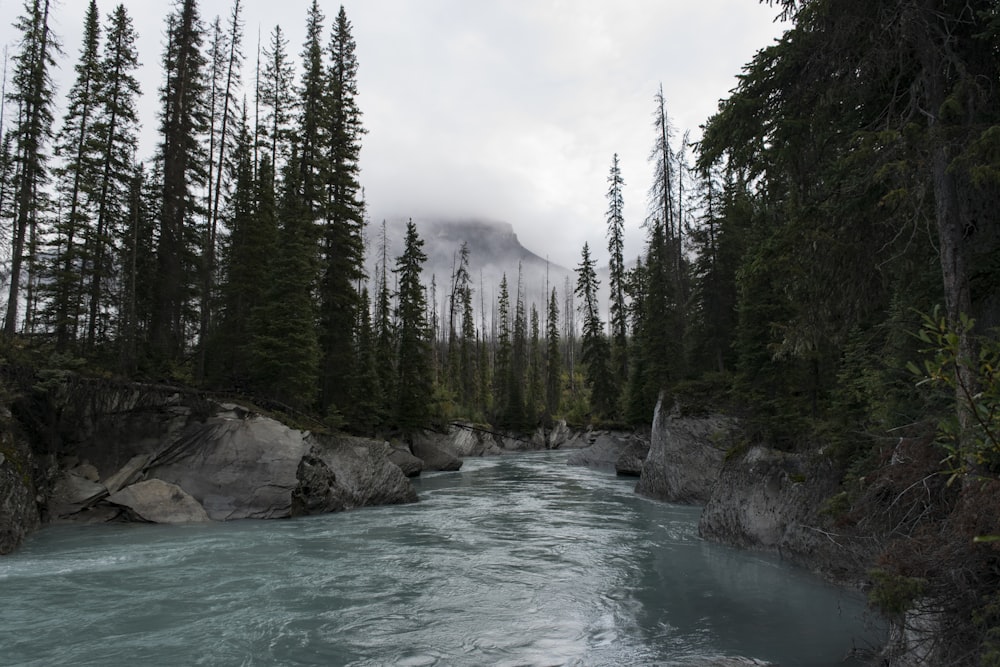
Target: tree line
[
  {"x": 233, "y": 258},
  {"x": 786, "y": 253}
]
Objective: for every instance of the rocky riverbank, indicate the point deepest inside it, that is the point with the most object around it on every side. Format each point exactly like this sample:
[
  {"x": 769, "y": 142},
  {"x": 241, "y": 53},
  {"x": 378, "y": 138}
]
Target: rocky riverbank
[{"x": 99, "y": 451}]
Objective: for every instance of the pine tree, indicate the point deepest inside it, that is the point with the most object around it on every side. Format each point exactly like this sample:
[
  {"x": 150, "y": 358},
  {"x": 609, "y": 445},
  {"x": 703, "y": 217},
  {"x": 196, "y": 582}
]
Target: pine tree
[
  {"x": 183, "y": 121},
  {"x": 640, "y": 402},
  {"x": 616, "y": 278},
  {"x": 536, "y": 385},
  {"x": 467, "y": 328},
  {"x": 116, "y": 131},
  {"x": 284, "y": 349},
  {"x": 76, "y": 183},
  {"x": 138, "y": 264},
  {"x": 515, "y": 416},
  {"x": 385, "y": 333},
  {"x": 310, "y": 131},
  {"x": 227, "y": 61},
  {"x": 553, "y": 358},
  {"x": 276, "y": 88},
  {"x": 33, "y": 95},
  {"x": 413, "y": 385},
  {"x": 342, "y": 252},
  {"x": 503, "y": 339},
  {"x": 595, "y": 352},
  {"x": 253, "y": 241}
]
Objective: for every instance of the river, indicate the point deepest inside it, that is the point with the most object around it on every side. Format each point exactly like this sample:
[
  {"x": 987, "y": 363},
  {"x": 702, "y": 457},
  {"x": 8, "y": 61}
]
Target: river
[{"x": 517, "y": 560}]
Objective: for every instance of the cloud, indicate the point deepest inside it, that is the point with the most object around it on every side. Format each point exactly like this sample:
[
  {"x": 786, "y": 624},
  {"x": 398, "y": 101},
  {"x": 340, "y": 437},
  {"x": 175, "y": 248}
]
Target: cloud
[{"x": 500, "y": 110}]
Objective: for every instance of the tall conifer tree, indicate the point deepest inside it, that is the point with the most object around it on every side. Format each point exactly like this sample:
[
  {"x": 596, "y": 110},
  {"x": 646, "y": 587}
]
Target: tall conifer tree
[
  {"x": 76, "y": 183},
  {"x": 116, "y": 130},
  {"x": 342, "y": 251},
  {"x": 413, "y": 385},
  {"x": 183, "y": 122},
  {"x": 32, "y": 94}
]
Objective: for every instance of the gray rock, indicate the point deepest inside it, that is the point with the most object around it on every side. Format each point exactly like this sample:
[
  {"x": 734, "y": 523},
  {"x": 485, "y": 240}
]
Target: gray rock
[
  {"x": 72, "y": 493},
  {"x": 771, "y": 501},
  {"x": 407, "y": 462},
  {"x": 629, "y": 462},
  {"x": 433, "y": 456},
  {"x": 19, "y": 514},
  {"x": 560, "y": 436},
  {"x": 603, "y": 452},
  {"x": 87, "y": 471},
  {"x": 465, "y": 439},
  {"x": 363, "y": 475},
  {"x": 236, "y": 468},
  {"x": 129, "y": 473},
  {"x": 685, "y": 456},
  {"x": 160, "y": 502}
]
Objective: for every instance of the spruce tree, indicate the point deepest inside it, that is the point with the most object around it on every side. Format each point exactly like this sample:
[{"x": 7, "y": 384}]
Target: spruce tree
[
  {"x": 553, "y": 358},
  {"x": 32, "y": 94},
  {"x": 413, "y": 378},
  {"x": 116, "y": 130},
  {"x": 284, "y": 350},
  {"x": 617, "y": 278},
  {"x": 76, "y": 183},
  {"x": 276, "y": 96},
  {"x": 503, "y": 340},
  {"x": 253, "y": 241},
  {"x": 226, "y": 64},
  {"x": 515, "y": 416},
  {"x": 595, "y": 352},
  {"x": 183, "y": 121},
  {"x": 342, "y": 250},
  {"x": 366, "y": 411}
]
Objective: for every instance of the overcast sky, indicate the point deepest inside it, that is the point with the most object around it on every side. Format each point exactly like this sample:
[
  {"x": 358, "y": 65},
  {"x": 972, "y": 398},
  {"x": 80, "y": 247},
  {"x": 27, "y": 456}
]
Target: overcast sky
[{"x": 504, "y": 110}]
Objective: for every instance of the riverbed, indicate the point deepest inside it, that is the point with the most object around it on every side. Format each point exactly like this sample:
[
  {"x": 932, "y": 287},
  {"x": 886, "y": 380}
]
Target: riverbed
[{"x": 515, "y": 560}]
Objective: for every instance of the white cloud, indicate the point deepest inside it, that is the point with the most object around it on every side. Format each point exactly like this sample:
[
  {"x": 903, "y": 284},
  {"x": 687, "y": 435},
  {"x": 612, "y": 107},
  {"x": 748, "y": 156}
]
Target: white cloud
[{"x": 499, "y": 110}]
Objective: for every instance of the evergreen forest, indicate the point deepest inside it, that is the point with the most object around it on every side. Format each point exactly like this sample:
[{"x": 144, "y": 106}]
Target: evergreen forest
[{"x": 824, "y": 262}]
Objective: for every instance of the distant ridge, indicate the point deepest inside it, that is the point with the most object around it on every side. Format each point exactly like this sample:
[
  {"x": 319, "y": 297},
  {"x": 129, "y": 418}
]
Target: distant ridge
[{"x": 494, "y": 251}]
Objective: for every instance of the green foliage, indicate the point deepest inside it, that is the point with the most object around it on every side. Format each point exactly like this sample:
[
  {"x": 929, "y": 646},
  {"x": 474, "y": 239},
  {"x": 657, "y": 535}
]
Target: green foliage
[
  {"x": 894, "y": 594},
  {"x": 987, "y": 622},
  {"x": 972, "y": 437},
  {"x": 413, "y": 378}
]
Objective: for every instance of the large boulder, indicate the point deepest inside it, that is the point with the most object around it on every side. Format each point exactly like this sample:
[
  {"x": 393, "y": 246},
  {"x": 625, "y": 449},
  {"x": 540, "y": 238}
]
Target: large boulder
[
  {"x": 466, "y": 439},
  {"x": 434, "y": 456},
  {"x": 629, "y": 463},
  {"x": 605, "y": 450},
  {"x": 407, "y": 462},
  {"x": 237, "y": 468},
  {"x": 685, "y": 456},
  {"x": 73, "y": 493},
  {"x": 248, "y": 466},
  {"x": 160, "y": 502},
  {"x": 362, "y": 474}
]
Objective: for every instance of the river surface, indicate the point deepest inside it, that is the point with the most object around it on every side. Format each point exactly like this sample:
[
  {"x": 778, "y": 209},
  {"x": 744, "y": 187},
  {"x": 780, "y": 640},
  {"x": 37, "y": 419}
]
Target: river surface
[{"x": 518, "y": 560}]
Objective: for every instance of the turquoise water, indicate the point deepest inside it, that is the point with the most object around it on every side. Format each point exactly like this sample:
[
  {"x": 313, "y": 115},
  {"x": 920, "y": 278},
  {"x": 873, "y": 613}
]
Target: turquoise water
[{"x": 517, "y": 560}]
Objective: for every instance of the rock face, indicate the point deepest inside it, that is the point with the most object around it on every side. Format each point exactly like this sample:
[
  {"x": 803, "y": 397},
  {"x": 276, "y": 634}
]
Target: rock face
[
  {"x": 155, "y": 454},
  {"x": 685, "y": 456},
  {"x": 18, "y": 509},
  {"x": 237, "y": 468},
  {"x": 435, "y": 456},
  {"x": 160, "y": 502},
  {"x": 607, "y": 449},
  {"x": 465, "y": 439},
  {"x": 771, "y": 501},
  {"x": 407, "y": 462},
  {"x": 630, "y": 461}
]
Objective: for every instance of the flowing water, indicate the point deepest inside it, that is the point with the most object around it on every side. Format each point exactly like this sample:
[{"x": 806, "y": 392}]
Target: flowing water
[{"x": 518, "y": 560}]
